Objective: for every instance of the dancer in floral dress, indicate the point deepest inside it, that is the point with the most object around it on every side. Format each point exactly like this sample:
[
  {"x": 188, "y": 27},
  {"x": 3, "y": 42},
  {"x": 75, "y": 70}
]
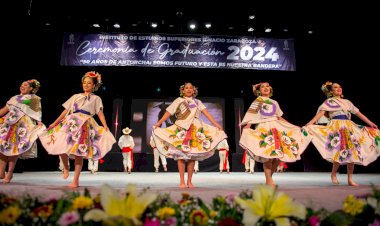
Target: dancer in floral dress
[
  {"x": 19, "y": 128},
  {"x": 75, "y": 133},
  {"x": 189, "y": 139},
  {"x": 342, "y": 141},
  {"x": 274, "y": 139}
]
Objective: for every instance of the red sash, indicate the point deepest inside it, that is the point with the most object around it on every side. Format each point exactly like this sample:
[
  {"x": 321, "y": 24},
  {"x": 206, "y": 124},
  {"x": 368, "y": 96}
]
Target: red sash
[
  {"x": 126, "y": 150},
  {"x": 225, "y": 158}
]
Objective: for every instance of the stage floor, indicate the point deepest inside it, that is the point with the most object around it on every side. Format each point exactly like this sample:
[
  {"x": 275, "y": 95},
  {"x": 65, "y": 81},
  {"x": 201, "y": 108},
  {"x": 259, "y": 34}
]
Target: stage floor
[{"x": 312, "y": 189}]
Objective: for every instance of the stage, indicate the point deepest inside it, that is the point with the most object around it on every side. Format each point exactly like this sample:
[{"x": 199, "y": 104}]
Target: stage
[{"x": 312, "y": 189}]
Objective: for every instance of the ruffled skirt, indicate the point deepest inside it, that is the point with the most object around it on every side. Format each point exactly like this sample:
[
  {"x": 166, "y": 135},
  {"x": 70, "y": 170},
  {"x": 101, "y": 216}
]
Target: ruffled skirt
[
  {"x": 345, "y": 142},
  {"x": 275, "y": 140},
  {"x": 196, "y": 143},
  {"x": 78, "y": 135}
]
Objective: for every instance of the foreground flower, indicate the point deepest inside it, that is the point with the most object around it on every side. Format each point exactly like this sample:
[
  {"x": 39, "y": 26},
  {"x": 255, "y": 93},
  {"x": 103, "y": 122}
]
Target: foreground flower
[
  {"x": 374, "y": 203},
  {"x": 82, "y": 202},
  {"x": 198, "y": 217},
  {"x": 352, "y": 205},
  {"x": 165, "y": 212},
  {"x": 268, "y": 205},
  {"x": 69, "y": 218},
  {"x": 314, "y": 220},
  {"x": 9, "y": 215},
  {"x": 115, "y": 206}
]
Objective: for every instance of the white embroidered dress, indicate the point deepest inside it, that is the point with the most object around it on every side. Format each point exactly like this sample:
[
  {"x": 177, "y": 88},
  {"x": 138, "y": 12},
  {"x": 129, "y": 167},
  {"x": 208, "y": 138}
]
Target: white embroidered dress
[
  {"x": 78, "y": 133},
  {"x": 18, "y": 128},
  {"x": 341, "y": 140},
  {"x": 272, "y": 138},
  {"x": 189, "y": 138}
]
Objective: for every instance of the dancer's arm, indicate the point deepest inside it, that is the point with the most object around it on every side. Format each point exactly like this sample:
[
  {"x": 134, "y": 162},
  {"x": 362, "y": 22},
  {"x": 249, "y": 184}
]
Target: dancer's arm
[
  {"x": 163, "y": 119},
  {"x": 4, "y": 110},
  {"x": 63, "y": 114},
  {"x": 366, "y": 120},
  {"x": 102, "y": 118},
  {"x": 316, "y": 117},
  {"x": 212, "y": 120}
]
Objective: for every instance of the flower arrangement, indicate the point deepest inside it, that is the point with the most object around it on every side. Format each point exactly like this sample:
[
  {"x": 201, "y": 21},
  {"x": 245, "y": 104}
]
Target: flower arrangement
[{"x": 262, "y": 206}]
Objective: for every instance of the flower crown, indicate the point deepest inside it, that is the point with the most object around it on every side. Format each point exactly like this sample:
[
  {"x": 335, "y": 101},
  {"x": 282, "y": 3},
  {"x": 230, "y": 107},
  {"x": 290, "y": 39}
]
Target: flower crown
[
  {"x": 256, "y": 91},
  {"x": 182, "y": 88},
  {"x": 34, "y": 84},
  {"x": 93, "y": 74},
  {"x": 326, "y": 88}
]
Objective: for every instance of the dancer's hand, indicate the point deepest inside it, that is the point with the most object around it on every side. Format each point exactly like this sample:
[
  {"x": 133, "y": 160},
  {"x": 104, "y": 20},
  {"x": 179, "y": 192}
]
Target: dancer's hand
[
  {"x": 372, "y": 125},
  {"x": 219, "y": 127},
  {"x": 247, "y": 126},
  {"x": 157, "y": 125},
  {"x": 51, "y": 126}
]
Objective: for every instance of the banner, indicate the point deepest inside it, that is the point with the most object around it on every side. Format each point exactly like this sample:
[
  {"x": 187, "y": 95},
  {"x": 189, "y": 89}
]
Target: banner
[{"x": 165, "y": 50}]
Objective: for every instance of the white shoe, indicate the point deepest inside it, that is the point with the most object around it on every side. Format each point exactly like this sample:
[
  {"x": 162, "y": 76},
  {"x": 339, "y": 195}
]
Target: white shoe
[{"x": 156, "y": 171}]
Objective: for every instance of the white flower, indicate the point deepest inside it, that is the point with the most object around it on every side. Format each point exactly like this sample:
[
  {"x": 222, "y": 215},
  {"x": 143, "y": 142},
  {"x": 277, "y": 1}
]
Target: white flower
[
  {"x": 3, "y": 131},
  {"x": 286, "y": 140},
  {"x": 344, "y": 154},
  {"x": 73, "y": 128},
  {"x": 5, "y": 145},
  {"x": 94, "y": 151},
  {"x": 76, "y": 136},
  {"x": 21, "y": 144},
  {"x": 200, "y": 136},
  {"x": 374, "y": 204},
  {"x": 21, "y": 132},
  {"x": 206, "y": 144},
  {"x": 12, "y": 113},
  {"x": 181, "y": 135},
  {"x": 92, "y": 134},
  {"x": 354, "y": 140},
  {"x": 279, "y": 153},
  {"x": 71, "y": 122},
  {"x": 186, "y": 148},
  {"x": 269, "y": 140},
  {"x": 335, "y": 142},
  {"x": 267, "y": 108},
  {"x": 294, "y": 149},
  {"x": 82, "y": 148}
]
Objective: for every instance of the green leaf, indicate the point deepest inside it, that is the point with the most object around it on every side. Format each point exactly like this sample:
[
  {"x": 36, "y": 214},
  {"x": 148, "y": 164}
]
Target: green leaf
[
  {"x": 27, "y": 102},
  {"x": 337, "y": 218}
]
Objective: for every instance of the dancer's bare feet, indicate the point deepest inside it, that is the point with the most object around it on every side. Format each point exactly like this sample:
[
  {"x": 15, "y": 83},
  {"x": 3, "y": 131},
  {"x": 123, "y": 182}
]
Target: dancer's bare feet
[
  {"x": 182, "y": 185},
  {"x": 65, "y": 174},
  {"x": 7, "y": 179},
  {"x": 352, "y": 183},
  {"x": 334, "y": 179},
  {"x": 190, "y": 185},
  {"x": 2, "y": 176},
  {"x": 73, "y": 185}
]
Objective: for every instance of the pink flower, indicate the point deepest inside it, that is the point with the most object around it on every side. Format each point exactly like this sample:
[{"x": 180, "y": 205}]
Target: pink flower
[
  {"x": 68, "y": 218},
  {"x": 314, "y": 220},
  {"x": 230, "y": 198},
  {"x": 375, "y": 223},
  {"x": 172, "y": 221},
  {"x": 151, "y": 222}
]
